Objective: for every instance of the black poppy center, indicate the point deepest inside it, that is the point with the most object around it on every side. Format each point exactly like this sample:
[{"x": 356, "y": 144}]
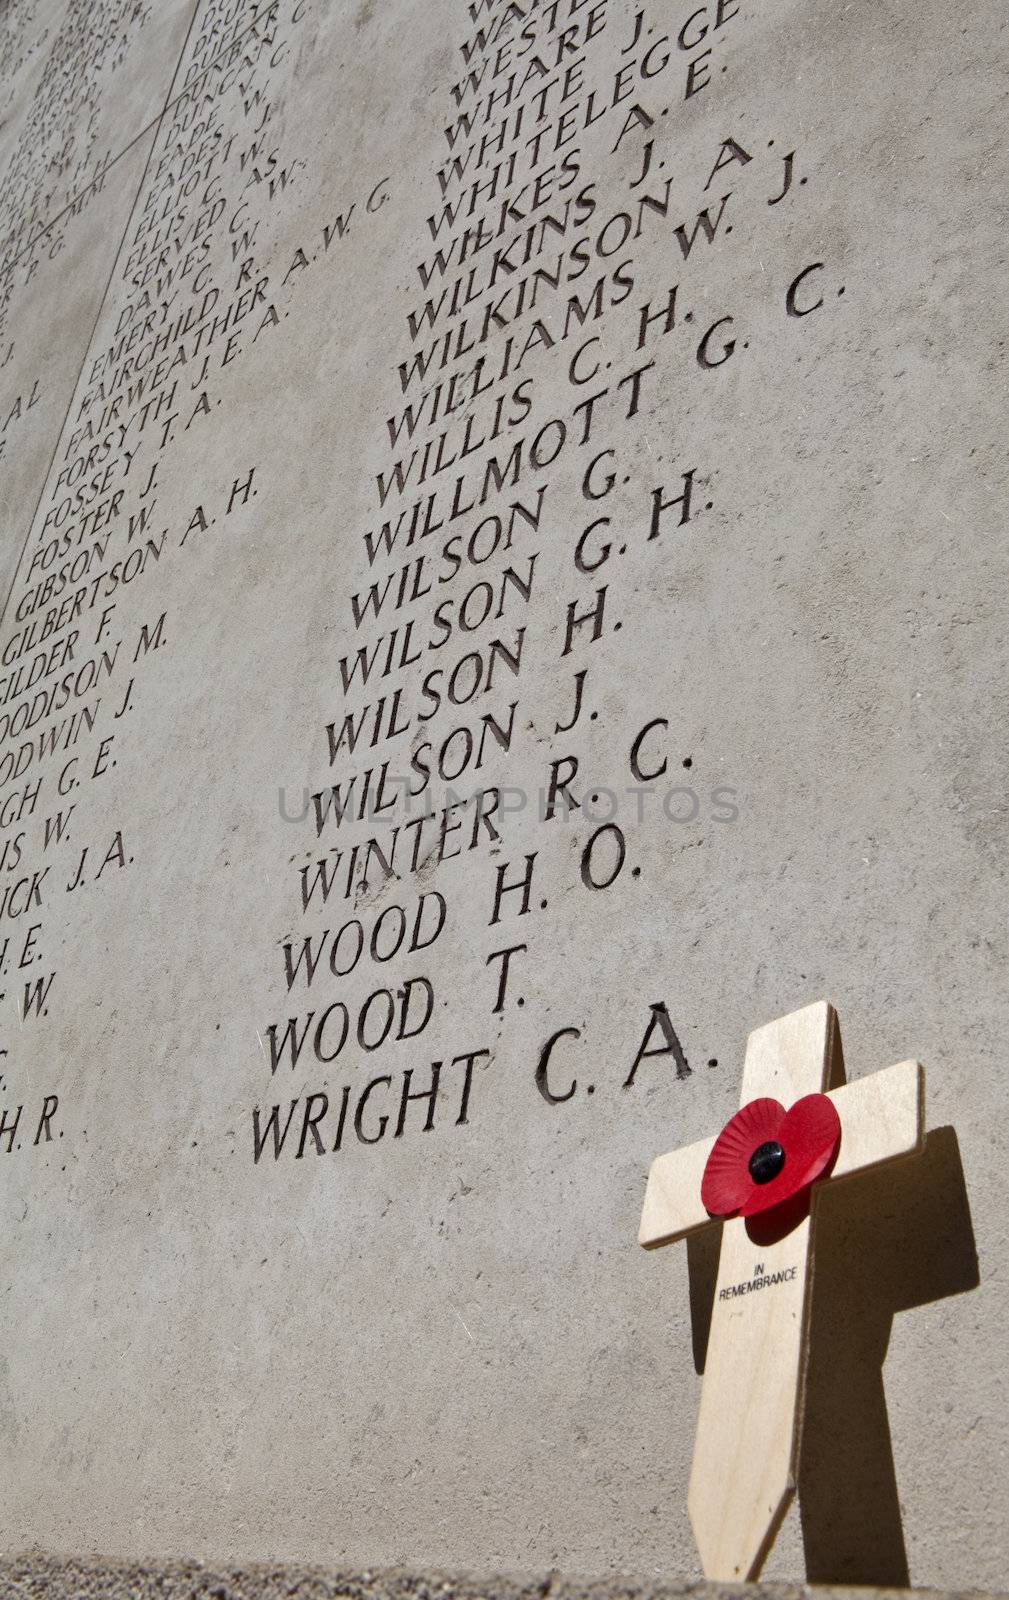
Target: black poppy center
[{"x": 766, "y": 1161}]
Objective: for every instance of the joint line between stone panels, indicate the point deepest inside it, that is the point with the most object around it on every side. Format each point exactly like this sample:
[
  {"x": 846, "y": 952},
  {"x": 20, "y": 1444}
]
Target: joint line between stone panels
[
  {"x": 8, "y": 266},
  {"x": 101, "y": 307}
]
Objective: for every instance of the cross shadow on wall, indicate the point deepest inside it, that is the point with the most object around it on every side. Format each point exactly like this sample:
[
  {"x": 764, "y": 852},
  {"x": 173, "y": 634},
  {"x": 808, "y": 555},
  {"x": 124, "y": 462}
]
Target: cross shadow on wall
[{"x": 885, "y": 1242}]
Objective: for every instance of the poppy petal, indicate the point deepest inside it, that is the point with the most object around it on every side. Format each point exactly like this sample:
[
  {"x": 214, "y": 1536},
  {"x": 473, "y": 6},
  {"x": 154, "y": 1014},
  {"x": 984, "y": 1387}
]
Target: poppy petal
[
  {"x": 809, "y": 1134},
  {"x": 727, "y": 1184}
]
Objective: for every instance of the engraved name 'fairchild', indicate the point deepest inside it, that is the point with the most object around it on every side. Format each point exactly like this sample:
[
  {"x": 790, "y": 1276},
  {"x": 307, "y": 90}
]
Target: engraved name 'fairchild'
[{"x": 760, "y": 1280}]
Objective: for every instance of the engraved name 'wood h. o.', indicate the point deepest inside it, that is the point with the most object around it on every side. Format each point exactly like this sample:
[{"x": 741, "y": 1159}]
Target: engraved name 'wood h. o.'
[{"x": 746, "y": 1450}]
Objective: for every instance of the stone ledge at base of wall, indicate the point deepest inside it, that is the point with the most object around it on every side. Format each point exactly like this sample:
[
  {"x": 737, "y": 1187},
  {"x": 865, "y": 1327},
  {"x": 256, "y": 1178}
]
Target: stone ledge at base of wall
[{"x": 45, "y": 1577}]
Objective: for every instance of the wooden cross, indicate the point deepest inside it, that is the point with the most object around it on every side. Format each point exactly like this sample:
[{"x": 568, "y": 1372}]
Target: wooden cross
[{"x": 746, "y": 1450}]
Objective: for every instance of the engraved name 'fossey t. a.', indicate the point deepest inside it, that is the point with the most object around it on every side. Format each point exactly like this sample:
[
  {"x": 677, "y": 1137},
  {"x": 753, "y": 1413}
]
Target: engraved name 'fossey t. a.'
[{"x": 485, "y": 621}]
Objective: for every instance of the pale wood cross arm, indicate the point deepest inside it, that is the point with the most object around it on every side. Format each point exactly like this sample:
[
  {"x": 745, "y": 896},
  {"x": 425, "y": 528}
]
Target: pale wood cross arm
[{"x": 882, "y": 1118}]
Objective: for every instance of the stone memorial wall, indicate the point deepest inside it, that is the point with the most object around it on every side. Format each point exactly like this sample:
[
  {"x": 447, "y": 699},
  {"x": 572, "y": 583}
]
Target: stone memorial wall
[{"x": 503, "y": 530}]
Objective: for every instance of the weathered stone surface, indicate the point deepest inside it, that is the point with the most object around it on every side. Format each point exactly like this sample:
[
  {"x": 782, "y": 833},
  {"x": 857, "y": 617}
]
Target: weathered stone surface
[
  {"x": 753, "y": 389},
  {"x": 82, "y": 85},
  {"x": 42, "y": 1578}
]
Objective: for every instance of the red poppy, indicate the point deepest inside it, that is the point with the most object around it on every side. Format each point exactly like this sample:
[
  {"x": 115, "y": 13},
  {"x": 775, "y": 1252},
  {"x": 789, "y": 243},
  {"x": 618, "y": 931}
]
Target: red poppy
[{"x": 764, "y": 1155}]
